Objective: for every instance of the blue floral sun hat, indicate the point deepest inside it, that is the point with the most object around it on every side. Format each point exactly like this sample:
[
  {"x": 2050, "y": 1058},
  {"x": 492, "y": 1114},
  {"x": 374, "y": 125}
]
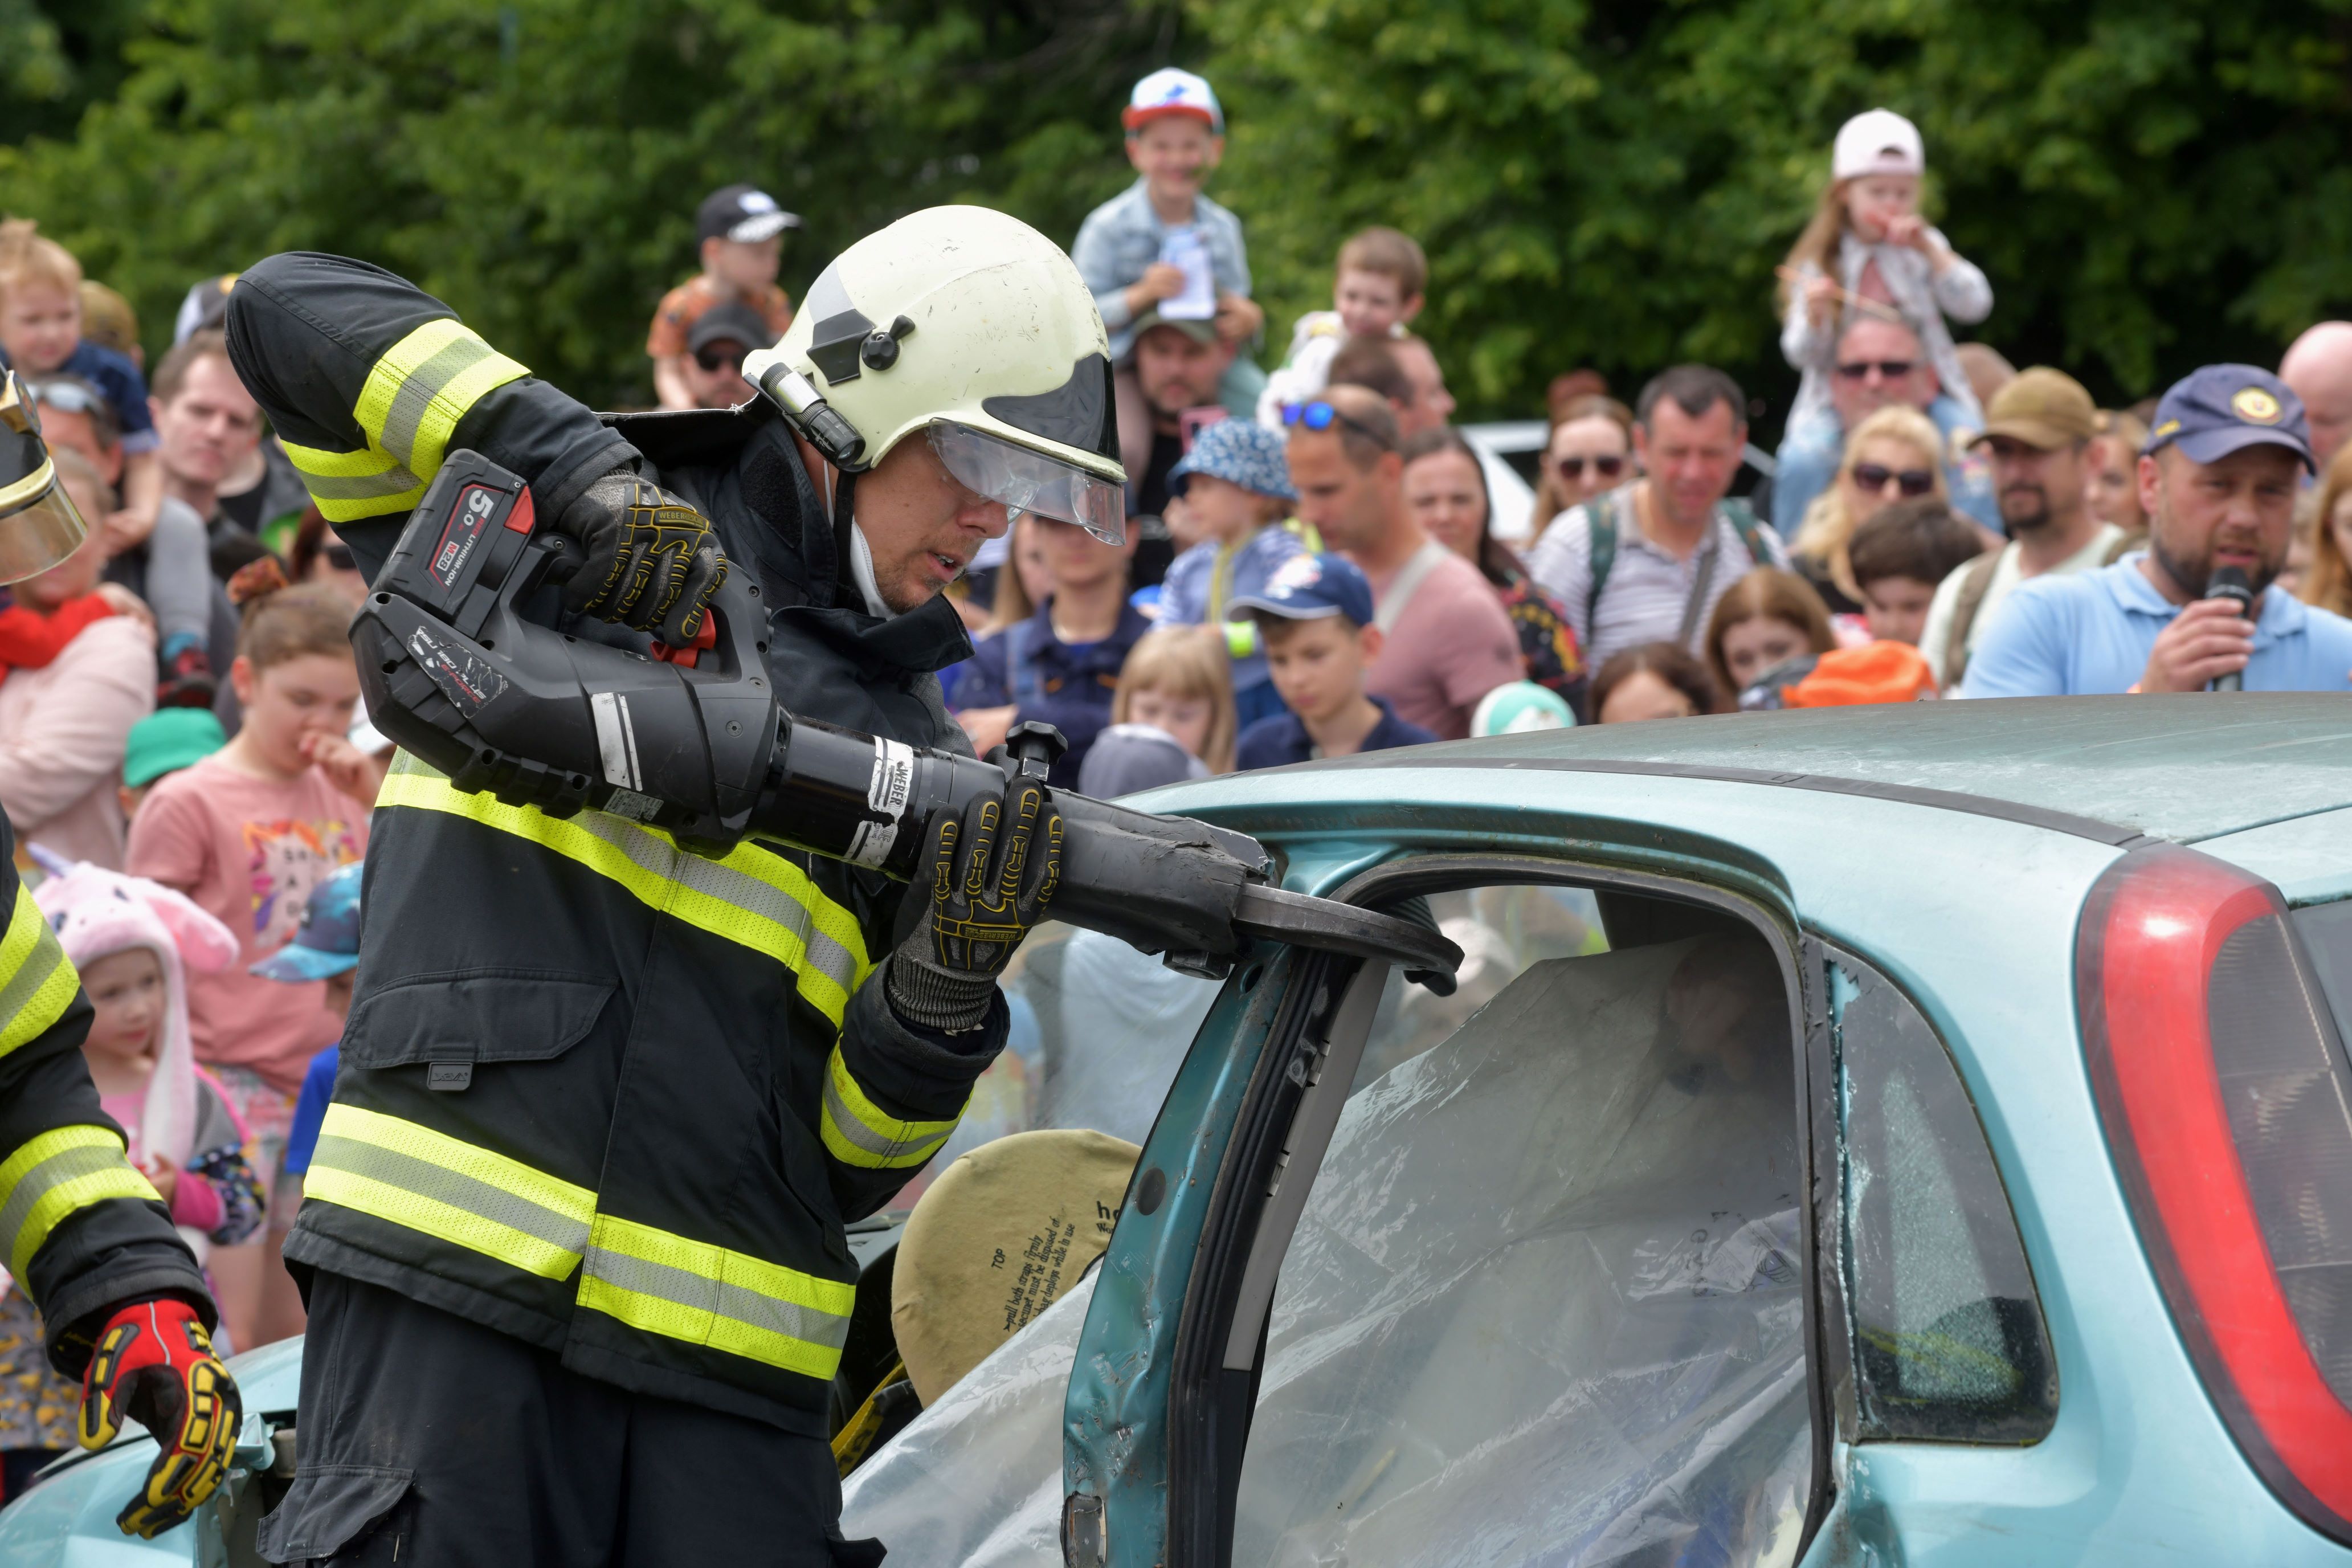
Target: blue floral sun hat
[{"x": 1241, "y": 452}]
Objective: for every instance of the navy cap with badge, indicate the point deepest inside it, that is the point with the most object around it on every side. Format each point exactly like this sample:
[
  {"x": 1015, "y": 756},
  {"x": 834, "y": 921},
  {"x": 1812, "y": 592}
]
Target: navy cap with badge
[{"x": 2218, "y": 410}]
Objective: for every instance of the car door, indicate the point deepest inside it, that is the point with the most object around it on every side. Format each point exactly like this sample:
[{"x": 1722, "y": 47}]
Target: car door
[{"x": 1529, "y": 1270}]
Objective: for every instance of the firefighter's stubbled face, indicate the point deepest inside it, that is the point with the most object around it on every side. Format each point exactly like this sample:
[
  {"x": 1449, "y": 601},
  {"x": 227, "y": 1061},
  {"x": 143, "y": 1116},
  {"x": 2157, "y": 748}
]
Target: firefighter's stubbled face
[{"x": 922, "y": 525}]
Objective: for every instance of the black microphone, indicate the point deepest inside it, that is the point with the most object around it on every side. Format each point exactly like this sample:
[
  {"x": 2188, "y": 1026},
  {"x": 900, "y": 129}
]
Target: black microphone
[{"x": 2229, "y": 583}]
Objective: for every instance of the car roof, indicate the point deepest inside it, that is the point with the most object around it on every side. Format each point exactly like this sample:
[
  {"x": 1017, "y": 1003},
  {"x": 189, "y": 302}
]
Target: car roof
[{"x": 2183, "y": 768}]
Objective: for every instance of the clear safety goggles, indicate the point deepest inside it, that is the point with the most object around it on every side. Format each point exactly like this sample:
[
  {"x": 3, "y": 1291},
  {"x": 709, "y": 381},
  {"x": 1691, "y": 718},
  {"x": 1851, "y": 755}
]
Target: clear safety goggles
[{"x": 1023, "y": 480}]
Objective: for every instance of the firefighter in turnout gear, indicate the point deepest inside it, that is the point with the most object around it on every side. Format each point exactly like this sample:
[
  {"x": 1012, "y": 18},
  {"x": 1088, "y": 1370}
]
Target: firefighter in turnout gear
[
  {"x": 86, "y": 1236},
  {"x": 573, "y": 1237}
]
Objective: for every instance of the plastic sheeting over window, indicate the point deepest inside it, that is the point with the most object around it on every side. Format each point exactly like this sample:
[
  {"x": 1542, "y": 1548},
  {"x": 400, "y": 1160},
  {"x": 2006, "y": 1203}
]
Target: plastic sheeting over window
[{"x": 1544, "y": 1307}]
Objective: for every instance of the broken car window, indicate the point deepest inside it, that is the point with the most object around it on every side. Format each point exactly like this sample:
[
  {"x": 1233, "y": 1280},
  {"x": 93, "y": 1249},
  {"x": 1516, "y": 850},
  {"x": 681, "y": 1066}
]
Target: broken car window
[{"x": 1949, "y": 1341}]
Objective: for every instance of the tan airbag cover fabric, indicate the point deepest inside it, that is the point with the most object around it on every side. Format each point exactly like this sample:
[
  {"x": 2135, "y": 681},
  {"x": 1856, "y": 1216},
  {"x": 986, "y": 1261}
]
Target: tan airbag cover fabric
[{"x": 995, "y": 1241}]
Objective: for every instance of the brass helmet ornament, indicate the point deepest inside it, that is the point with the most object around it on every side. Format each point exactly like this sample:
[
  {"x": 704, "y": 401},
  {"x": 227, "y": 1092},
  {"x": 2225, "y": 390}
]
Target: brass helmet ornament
[{"x": 38, "y": 524}]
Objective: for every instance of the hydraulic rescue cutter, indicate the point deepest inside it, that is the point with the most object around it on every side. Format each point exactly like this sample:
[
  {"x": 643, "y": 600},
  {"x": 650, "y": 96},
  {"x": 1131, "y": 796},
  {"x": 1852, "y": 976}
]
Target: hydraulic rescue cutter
[{"x": 461, "y": 668}]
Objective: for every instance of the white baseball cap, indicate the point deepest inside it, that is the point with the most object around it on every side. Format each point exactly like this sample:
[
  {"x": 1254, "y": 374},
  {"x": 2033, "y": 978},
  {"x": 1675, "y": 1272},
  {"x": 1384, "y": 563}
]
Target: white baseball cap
[
  {"x": 1171, "y": 92},
  {"x": 1877, "y": 142}
]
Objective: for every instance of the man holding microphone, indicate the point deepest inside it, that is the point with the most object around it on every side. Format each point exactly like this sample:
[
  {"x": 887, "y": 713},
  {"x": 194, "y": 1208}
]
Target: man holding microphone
[{"x": 2193, "y": 612}]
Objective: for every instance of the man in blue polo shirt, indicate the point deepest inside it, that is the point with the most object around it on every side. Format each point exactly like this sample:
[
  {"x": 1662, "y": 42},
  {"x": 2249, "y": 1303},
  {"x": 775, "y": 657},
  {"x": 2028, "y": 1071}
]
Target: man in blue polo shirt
[
  {"x": 1315, "y": 618},
  {"x": 2218, "y": 478}
]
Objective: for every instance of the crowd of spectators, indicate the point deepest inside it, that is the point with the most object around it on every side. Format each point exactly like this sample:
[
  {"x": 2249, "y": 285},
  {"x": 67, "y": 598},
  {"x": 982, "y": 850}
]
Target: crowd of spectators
[
  {"x": 1927, "y": 513},
  {"x": 1314, "y": 567}
]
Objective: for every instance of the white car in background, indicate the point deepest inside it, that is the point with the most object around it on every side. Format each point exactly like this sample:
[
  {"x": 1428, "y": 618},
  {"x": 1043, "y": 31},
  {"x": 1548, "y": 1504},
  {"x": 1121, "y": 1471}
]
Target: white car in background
[{"x": 1510, "y": 451}]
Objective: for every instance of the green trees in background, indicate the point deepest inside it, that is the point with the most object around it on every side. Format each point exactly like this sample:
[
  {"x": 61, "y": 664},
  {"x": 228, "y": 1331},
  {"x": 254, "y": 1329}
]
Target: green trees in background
[{"x": 2151, "y": 183}]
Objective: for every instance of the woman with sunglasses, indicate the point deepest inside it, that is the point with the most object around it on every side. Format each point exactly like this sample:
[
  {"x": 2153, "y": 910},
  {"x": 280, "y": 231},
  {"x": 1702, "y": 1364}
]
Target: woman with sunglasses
[
  {"x": 1894, "y": 455},
  {"x": 1588, "y": 454},
  {"x": 1445, "y": 491}
]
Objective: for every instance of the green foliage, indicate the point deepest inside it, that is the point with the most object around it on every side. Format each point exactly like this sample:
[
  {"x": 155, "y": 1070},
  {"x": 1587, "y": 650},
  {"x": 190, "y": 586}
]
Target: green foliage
[
  {"x": 57, "y": 60},
  {"x": 537, "y": 165},
  {"x": 2150, "y": 184}
]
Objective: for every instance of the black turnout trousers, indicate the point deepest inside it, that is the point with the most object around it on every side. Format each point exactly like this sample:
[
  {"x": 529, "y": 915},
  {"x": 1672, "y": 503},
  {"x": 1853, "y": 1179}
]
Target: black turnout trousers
[{"x": 425, "y": 1439}]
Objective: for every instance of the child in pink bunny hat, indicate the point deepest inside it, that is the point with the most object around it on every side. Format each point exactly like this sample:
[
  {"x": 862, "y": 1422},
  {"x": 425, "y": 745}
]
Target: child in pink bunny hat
[{"x": 132, "y": 941}]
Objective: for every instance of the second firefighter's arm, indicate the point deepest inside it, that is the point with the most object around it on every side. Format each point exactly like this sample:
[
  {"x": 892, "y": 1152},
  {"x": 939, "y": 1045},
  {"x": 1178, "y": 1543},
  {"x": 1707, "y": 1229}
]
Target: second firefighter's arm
[
  {"x": 85, "y": 1233},
  {"x": 370, "y": 383},
  {"x": 894, "y": 1092}
]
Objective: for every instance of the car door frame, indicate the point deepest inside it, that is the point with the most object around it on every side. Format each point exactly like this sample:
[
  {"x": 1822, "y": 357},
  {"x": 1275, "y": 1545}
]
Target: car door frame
[{"x": 1265, "y": 1165}]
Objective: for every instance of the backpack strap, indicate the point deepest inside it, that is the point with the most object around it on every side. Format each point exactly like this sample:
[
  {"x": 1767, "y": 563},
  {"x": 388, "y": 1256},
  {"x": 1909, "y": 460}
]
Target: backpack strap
[
  {"x": 1601, "y": 525},
  {"x": 1406, "y": 584},
  {"x": 1751, "y": 531},
  {"x": 1965, "y": 604},
  {"x": 2132, "y": 539}
]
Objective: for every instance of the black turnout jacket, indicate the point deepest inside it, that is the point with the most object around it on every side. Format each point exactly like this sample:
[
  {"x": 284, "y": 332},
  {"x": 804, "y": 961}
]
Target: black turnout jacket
[{"x": 603, "y": 1094}]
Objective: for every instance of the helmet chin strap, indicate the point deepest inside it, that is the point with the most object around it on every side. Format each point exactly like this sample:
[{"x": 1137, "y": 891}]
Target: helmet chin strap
[{"x": 849, "y": 541}]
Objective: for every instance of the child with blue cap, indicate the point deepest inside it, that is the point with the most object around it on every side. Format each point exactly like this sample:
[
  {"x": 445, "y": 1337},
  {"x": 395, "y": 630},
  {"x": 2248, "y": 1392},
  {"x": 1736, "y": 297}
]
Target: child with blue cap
[
  {"x": 326, "y": 946},
  {"x": 1316, "y": 614},
  {"x": 1236, "y": 481}
]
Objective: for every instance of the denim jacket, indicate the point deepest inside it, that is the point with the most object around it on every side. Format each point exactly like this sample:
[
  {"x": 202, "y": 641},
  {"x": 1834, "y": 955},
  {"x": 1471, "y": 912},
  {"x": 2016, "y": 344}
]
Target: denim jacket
[{"x": 1121, "y": 238}]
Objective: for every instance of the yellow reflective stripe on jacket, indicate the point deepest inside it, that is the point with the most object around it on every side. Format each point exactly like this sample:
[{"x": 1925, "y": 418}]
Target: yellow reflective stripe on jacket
[
  {"x": 36, "y": 982},
  {"x": 707, "y": 1295},
  {"x": 423, "y": 385},
  {"x": 408, "y": 409},
  {"x": 57, "y": 1174},
  {"x": 753, "y": 897},
  {"x": 425, "y": 1181},
  {"x": 857, "y": 1132},
  {"x": 352, "y": 485}
]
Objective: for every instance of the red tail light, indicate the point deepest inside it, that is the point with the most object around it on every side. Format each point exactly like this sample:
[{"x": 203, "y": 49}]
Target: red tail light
[{"x": 2225, "y": 1088}]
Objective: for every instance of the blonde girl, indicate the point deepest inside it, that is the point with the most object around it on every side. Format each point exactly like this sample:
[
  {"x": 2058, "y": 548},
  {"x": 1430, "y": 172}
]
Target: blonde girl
[
  {"x": 1867, "y": 251},
  {"x": 1174, "y": 686}
]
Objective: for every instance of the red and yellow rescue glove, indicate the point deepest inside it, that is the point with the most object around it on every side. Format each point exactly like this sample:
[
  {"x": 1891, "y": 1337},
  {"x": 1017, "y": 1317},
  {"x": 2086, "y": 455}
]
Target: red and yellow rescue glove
[{"x": 155, "y": 1363}]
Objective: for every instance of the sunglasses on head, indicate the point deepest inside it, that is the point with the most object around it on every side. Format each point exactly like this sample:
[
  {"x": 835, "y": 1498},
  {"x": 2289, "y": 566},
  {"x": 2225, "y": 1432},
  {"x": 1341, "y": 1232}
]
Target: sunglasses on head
[
  {"x": 1876, "y": 476},
  {"x": 69, "y": 396},
  {"x": 1572, "y": 468},
  {"x": 1890, "y": 369},
  {"x": 1321, "y": 415},
  {"x": 715, "y": 359},
  {"x": 338, "y": 556}
]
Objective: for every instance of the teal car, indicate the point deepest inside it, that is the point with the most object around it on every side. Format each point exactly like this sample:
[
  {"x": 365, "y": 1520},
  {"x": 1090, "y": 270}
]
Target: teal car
[
  {"x": 2058, "y": 991},
  {"x": 1894, "y": 1136}
]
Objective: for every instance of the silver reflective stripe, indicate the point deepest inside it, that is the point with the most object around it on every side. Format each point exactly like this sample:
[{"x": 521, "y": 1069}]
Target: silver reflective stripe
[
  {"x": 678, "y": 1287},
  {"x": 66, "y": 1166},
  {"x": 889, "y": 1151},
  {"x": 418, "y": 390},
  {"x": 396, "y": 480},
  {"x": 445, "y": 1186},
  {"x": 665, "y": 860}
]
